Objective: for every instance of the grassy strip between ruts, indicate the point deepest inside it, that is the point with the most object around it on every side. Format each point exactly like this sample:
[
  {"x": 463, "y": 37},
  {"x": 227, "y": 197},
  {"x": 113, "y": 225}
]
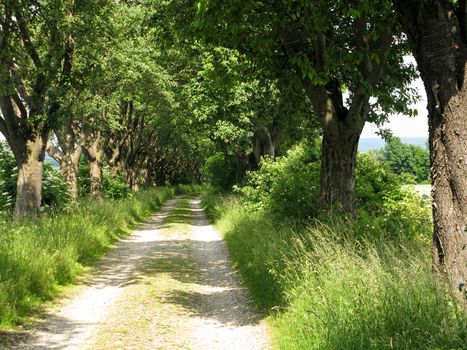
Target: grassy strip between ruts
[
  {"x": 330, "y": 287},
  {"x": 38, "y": 256}
]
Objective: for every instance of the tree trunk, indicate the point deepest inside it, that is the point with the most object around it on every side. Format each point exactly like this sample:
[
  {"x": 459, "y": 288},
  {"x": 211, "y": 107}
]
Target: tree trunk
[
  {"x": 95, "y": 172},
  {"x": 70, "y": 175},
  {"x": 29, "y": 184},
  {"x": 94, "y": 152},
  {"x": 341, "y": 132},
  {"x": 338, "y": 163},
  {"x": 438, "y": 40},
  {"x": 263, "y": 145},
  {"x": 70, "y": 140}
]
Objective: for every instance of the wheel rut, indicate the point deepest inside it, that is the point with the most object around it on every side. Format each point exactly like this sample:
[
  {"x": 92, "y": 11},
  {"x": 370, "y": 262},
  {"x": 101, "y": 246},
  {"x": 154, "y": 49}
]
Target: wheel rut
[{"x": 169, "y": 285}]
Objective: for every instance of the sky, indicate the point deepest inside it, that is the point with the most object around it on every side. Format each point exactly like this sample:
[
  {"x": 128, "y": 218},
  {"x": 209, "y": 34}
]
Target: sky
[{"x": 404, "y": 126}]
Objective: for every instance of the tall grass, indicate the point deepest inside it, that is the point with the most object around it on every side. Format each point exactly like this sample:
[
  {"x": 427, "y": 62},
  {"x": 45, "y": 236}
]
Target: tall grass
[
  {"x": 37, "y": 256},
  {"x": 335, "y": 287}
]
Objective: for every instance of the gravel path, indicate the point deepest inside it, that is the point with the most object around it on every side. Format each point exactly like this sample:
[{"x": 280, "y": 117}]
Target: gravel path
[{"x": 168, "y": 286}]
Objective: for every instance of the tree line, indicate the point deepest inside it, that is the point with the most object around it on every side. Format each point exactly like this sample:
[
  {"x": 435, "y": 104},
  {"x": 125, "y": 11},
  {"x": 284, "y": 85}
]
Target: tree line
[{"x": 153, "y": 90}]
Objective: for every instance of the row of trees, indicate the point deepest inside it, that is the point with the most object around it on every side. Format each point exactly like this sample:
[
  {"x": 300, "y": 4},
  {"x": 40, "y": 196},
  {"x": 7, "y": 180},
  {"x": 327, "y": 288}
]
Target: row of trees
[
  {"x": 91, "y": 77},
  {"x": 152, "y": 89},
  {"x": 359, "y": 45}
]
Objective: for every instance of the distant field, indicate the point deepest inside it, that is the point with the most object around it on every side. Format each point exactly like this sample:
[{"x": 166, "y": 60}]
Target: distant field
[
  {"x": 424, "y": 190},
  {"x": 50, "y": 160},
  {"x": 374, "y": 143}
]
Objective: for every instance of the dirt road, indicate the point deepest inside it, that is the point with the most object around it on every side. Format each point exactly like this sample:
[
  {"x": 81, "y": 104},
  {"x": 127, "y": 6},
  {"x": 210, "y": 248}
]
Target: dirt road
[{"x": 170, "y": 285}]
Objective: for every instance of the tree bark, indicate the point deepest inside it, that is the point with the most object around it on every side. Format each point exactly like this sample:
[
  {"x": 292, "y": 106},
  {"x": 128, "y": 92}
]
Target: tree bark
[
  {"x": 263, "y": 145},
  {"x": 95, "y": 172},
  {"x": 437, "y": 36},
  {"x": 29, "y": 184},
  {"x": 94, "y": 152},
  {"x": 70, "y": 175},
  {"x": 71, "y": 148},
  {"x": 341, "y": 132},
  {"x": 338, "y": 164}
]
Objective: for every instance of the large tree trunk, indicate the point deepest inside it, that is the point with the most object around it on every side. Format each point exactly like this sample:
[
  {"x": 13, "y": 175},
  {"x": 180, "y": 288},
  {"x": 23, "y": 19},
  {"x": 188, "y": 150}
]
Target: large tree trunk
[
  {"x": 94, "y": 152},
  {"x": 29, "y": 185},
  {"x": 68, "y": 155},
  {"x": 70, "y": 175},
  {"x": 338, "y": 163},
  {"x": 263, "y": 145},
  {"x": 439, "y": 46},
  {"x": 341, "y": 132},
  {"x": 95, "y": 172}
]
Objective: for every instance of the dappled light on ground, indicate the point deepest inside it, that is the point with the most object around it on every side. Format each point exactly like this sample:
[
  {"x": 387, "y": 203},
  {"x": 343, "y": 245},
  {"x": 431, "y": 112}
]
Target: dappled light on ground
[{"x": 168, "y": 286}]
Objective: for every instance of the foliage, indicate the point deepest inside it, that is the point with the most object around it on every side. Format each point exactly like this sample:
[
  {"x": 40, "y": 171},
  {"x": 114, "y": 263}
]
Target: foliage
[
  {"x": 287, "y": 186},
  {"x": 219, "y": 171},
  {"x": 407, "y": 159},
  {"x": 375, "y": 183},
  {"x": 8, "y": 178},
  {"x": 54, "y": 190},
  {"x": 36, "y": 257},
  {"x": 112, "y": 187},
  {"x": 336, "y": 286}
]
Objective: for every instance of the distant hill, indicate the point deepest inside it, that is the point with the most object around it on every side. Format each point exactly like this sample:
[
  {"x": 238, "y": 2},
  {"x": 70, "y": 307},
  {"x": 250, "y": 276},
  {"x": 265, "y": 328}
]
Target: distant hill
[
  {"x": 50, "y": 160},
  {"x": 375, "y": 143}
]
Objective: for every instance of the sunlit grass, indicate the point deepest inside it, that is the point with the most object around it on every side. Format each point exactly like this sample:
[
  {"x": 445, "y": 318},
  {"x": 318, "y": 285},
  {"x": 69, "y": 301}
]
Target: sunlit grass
[
  {"x": 38, "y": 256},
  {"x": 332, "y": 287}
]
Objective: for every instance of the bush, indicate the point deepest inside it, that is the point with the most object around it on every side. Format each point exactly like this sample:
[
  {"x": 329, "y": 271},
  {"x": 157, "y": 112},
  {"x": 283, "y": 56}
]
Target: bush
[
  {"x": 375, "y": 182},
  {"x": 54, "y": 190},
  {"x": 287, "y": 186},
  {"x": 407, "y": 159},
  {"x": 219, "y": 171},
  {"x": 114, "y": 187},
  {"x": 8, "y": 177}
]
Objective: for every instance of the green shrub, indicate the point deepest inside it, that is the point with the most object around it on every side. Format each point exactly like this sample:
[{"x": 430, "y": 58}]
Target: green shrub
[
  {"x": 375, "y": 182},
  {"x": 54, "y": 190},
  {"x": 219, "y": 171},
  {"x": 287, "y": 186},
  {"x": 8, "y": 176},
  {"x": 114, "y": 187},
  {"x": 407, "y": 159}
]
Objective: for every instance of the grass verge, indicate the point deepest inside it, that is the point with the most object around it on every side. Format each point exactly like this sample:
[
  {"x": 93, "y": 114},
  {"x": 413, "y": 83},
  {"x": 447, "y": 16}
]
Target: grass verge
[
  {"x": 333, "y": 287},
  {"x": 36, "y": 257}
]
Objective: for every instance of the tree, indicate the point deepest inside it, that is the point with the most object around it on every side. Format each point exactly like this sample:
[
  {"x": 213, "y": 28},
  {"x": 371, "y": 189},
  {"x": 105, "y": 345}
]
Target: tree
[
  {"x": 437, "y": 31},
  {"x": 38, "y": 41},
  {"x": 407, "y": 159},
  {"x": 330, "y": 48}
]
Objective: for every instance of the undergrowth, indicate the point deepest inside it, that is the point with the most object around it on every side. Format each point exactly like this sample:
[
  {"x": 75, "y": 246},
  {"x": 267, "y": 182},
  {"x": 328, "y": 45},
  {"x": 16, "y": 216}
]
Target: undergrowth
[
  {"x": 38, "y": 256},
  {"x": 334, "y": 285}
]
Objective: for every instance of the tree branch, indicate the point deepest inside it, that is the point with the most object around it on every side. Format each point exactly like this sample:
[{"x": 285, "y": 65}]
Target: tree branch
[
  {"x": 3, "y": 128},
  {"x": 54, "y": 152},
  {"x": 26, "y": 39},
  {"x": 20, "y": 105}
]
